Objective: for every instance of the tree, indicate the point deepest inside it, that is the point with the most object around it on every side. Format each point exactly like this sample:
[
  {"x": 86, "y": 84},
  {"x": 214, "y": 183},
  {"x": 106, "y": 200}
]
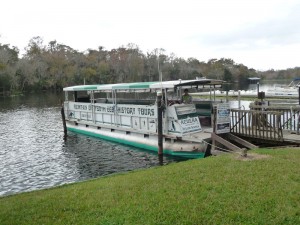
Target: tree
[
  {"x": 227, "y": 75},
  {"x": 8, "y": 60},
  {"x": 35, "y": 48}
]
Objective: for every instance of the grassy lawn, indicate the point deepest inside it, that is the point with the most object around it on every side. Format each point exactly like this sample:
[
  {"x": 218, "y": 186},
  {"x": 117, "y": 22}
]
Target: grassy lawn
[{"x": 214, "y": 190}]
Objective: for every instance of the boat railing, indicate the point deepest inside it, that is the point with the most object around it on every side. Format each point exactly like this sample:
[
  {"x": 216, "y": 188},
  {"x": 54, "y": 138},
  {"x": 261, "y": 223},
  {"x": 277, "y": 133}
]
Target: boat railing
[
  {"x": 295, "y": 83},
  {"x": 136, "y": 116}
]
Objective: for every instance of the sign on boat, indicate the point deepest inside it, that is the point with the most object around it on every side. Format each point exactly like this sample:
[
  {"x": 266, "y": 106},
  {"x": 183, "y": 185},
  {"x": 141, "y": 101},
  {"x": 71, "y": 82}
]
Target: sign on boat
[{"x": 127, "y": 113}]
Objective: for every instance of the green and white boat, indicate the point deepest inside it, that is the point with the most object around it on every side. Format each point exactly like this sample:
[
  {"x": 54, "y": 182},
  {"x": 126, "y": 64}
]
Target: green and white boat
[{"x": 127, "y": 113}]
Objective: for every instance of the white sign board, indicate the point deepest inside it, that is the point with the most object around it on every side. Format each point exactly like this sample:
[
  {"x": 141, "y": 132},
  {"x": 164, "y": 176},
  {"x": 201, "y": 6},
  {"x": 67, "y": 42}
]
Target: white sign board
[
  {"x": 190, "y": 124},
  {"x": 223, "y": 118},
  {"x": 187, "y": 125},
  {"x": 140, "y": 117},
  {"x": 120, "y": 109}
]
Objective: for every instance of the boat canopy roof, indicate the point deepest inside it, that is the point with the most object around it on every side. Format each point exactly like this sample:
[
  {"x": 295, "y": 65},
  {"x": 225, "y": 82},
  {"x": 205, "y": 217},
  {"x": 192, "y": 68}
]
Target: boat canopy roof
[{"x": 198, "y": 83}]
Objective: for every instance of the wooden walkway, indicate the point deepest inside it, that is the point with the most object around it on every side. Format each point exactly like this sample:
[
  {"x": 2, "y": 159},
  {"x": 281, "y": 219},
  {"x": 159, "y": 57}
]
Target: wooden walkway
[{"x": 291, "y": 137}]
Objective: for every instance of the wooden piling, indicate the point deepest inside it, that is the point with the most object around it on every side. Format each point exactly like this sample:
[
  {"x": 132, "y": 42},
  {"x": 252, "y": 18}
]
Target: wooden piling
[
  {"x": 239, "y": 99},
  {"x": 227, "y": 98},
  {"x": 64, "y": 120},
  {"x": 214, "y": 115},
  {"x": 299, "y": 95},
  {"x": 159, "y": 123}
]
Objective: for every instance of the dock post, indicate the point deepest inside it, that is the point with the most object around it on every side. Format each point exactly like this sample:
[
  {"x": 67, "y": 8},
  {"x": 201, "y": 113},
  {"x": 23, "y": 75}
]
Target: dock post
[
  {"x": 159, "y": 123},
  {"x": 298, "y": 124},
  {"x": 299, "y": 95},
  {"x": 239, "y": 99},
  {"x": 213, "y": 141},
  {"x": 244, "y": 152},
  {"x": 227, "y": 99},
  {"x": 64, "y": 120}
]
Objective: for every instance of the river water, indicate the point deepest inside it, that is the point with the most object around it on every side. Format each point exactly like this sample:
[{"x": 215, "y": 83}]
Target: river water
[{"x": 34, "y": 154}]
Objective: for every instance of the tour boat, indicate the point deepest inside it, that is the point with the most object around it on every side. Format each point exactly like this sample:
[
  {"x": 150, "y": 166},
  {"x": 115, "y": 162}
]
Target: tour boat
[{"x": 127, "y": 113}]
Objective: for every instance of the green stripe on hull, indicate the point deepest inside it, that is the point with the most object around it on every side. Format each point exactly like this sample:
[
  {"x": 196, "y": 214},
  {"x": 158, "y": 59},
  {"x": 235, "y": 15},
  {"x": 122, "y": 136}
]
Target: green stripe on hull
[{"x": 189, "y": 155}]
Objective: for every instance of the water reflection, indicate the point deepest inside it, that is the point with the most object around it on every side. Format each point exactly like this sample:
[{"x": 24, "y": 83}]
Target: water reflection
[{"x": 96, "y": 157}]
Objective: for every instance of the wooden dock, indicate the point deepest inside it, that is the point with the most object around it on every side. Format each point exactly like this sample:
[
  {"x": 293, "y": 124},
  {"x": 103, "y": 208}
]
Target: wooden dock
[
  {"x": 291, "y": 137},
  {"x": 267, "y": 124}
]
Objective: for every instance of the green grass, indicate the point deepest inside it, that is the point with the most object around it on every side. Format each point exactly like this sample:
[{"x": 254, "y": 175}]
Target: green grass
[{"x": 214, "y": 190}]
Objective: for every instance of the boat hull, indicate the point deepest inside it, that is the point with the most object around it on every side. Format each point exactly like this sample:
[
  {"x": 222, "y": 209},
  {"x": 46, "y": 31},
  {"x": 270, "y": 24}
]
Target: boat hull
[{"x": 144, "y": 141}]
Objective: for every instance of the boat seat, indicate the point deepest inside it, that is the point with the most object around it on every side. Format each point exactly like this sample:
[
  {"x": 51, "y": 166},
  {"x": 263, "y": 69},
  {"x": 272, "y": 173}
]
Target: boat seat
[{"x": 101, "y": 100}]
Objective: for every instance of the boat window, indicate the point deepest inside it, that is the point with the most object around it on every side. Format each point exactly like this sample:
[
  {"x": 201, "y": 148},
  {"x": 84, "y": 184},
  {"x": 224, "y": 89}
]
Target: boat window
[
  {"x": 138, "y": 98},
  {"x": 81, "y": 96},
  {"x": 101, "y": 97}
]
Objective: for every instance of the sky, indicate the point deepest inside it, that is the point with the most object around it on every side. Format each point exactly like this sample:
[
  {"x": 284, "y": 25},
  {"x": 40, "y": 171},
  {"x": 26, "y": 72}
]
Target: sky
[{"x": 261, "y": 34}]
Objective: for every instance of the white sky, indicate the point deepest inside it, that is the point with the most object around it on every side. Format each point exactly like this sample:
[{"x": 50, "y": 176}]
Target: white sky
[{"x": 261, "y": 34}]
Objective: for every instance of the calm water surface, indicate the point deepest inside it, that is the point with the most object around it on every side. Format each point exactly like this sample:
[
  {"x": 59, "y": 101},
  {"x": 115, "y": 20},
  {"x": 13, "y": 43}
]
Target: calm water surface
[{"x": 34, "y": 154}]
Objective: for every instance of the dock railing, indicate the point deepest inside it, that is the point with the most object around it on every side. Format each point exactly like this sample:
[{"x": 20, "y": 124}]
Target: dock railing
[
  {"x": 289, "y": 115},
  {"x": 257, "y": 124}
]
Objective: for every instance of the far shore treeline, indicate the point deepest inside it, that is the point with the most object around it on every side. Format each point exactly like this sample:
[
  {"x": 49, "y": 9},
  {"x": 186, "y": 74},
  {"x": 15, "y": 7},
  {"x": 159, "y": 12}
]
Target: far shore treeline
[{"x": 53, "y": 66}]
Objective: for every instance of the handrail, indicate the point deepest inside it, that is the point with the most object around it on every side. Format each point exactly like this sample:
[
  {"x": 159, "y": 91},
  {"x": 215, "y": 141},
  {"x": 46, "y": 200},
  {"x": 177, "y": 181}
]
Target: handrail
[
  {"x": 257, "y": 124},
  {"x": 290, "y": 117}
]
